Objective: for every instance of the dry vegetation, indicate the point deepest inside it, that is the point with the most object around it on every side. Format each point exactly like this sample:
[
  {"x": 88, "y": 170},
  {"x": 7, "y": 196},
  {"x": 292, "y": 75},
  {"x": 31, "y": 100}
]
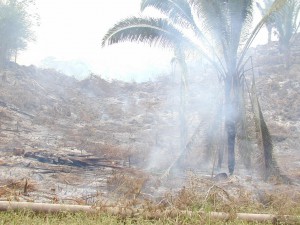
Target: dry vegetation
[{"x": 108, "y": 143}]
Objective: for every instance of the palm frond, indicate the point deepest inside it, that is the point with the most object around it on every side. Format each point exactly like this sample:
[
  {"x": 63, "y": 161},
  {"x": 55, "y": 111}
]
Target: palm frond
[
  {"x": 227, "y": 22},
  {"x": 212, "y": 16},
  {"x": 247, "y": 16},
  {"x": 286, "y": 21},
  {"x": 147, "y": 30},
  {"x": 243, "y": 137},
  {"x": 276, "y": 6},
  {"x": 297, "y": 12},
  {"x": 178, "y": 11},
  {"x": 263, "y": 11},
  {"x": 240, "y": 14},
  {"x": 266, "y": 161}
]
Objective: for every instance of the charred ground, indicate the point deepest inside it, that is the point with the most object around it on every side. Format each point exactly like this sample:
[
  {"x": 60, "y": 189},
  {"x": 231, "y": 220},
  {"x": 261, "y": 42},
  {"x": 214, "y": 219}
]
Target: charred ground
[{"x": 94, "y": 141}]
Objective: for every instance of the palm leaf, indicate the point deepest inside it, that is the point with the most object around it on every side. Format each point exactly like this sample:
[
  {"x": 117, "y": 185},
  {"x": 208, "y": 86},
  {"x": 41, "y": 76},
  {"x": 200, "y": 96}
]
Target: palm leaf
[
  {"x": 240, "y": 15},
  {"x": 227, "y": 23},
  {"x": 266, "y": 161},
  {"x": 212, "y": 16},
  {"x": 247, "y": 16},
  {"x": 264, "y": 10},
  {"x": 178, "y": 11},
  {"x": 147, "y": 30}
]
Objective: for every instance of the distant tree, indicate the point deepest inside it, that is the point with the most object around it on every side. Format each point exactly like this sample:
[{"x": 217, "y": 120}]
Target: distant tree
[
  {"x": 264, "y": 8},
  {"x": 287, "y": 23},
  {"x": 16, "y": 24}
]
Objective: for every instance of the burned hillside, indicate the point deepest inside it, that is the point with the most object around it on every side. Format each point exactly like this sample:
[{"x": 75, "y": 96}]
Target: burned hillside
[{"x": 74, "y": 141}]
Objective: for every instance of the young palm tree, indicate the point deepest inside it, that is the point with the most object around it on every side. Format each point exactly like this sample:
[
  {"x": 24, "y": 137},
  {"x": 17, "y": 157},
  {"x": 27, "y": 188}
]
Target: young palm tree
[
  {"x": 287, "y": 24},
  {"x": 263, "y": 10},
  {"x": 217, "y": 30}
]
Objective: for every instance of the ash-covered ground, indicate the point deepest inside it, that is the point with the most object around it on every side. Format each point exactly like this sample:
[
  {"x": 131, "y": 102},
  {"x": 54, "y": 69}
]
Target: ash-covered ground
[{"x": 70, "y": 141}]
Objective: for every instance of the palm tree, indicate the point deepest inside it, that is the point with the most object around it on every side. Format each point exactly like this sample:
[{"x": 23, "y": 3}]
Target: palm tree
[
  {"x": 216, "y": 30},
  {"x": 263, "y": 10},
  {"x": 287, "y": 24}
]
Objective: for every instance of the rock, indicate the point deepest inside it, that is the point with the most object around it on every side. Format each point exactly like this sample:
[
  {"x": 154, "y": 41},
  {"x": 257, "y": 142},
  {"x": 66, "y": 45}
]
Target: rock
[{"x": 220, "y": 177}]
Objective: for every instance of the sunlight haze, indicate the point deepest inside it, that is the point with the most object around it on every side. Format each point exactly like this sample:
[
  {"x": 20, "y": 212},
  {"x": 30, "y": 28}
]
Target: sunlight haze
[{"x": 73, "y": 30}]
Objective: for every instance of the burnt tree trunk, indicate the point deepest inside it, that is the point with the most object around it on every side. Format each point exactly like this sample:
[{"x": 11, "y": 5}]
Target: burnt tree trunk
[
  {"x": 231, "y": 134},
  {"x": 231, "y": 110}
]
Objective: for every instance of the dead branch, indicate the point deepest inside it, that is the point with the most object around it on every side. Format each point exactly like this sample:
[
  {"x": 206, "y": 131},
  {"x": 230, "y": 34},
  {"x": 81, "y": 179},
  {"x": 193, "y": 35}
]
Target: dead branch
[
  {"x": 5, "y": 105},
  {"x": 55, "y": 159}
]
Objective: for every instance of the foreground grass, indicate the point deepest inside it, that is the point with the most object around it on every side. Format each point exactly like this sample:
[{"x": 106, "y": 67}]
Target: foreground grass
[
  {"x": 27, "y": 217},
  {"x": 199, "y": 195}
]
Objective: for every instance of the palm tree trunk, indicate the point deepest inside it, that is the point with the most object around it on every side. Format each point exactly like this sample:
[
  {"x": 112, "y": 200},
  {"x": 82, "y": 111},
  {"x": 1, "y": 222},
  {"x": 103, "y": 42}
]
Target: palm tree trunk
[
  {"x": 231, "y": 134},
  {"x": 287, "y": 57},
  {"x": 230, "y": 122},
  {"x": 220, "y": 155},
  {"x": 269, "y": 28}
]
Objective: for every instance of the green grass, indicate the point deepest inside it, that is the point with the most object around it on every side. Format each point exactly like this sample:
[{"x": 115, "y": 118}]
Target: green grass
[
  {"x": 197, "y": 195},
  {"x": 26, "y": 218}
]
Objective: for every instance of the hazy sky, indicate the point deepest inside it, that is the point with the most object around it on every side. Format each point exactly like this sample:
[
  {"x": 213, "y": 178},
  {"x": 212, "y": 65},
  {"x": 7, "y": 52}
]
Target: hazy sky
[{"x": 73, "y": 29}]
